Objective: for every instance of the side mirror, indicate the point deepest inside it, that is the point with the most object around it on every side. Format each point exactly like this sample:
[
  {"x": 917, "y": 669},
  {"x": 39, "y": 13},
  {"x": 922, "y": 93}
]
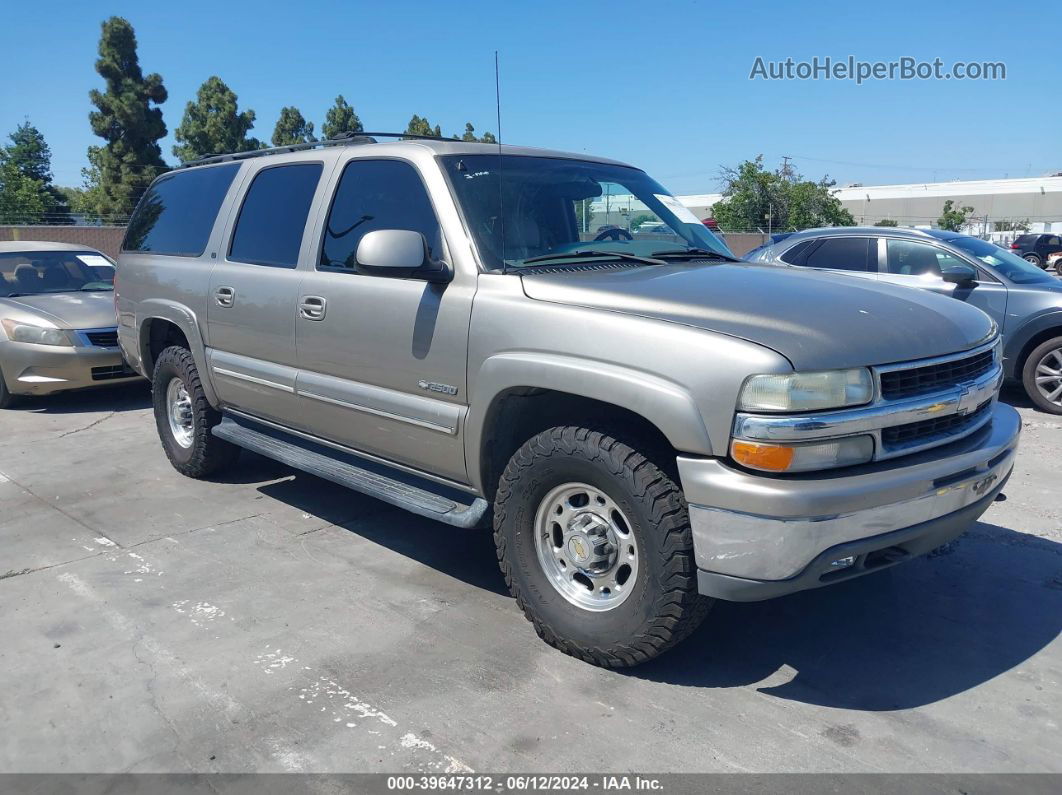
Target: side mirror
[
  {"x": 960, "y": 274},
  {"x": 401, "y": 253}
]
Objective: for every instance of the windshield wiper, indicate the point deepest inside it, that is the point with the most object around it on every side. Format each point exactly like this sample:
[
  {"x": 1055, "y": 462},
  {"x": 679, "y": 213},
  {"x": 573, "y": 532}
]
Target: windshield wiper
[
  {"x": 593, "y": 254},
  {"x": 695, "y": 253}
]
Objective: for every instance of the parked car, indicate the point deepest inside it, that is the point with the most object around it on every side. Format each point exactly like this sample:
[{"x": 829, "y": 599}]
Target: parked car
[
  {"x": 57, "y": 324},
  {"x": 1054, "y": 261},
  {"x": 646, "y": 424},
  {"x": 1036, "y": 248},
  {"x": 1024, "y": 301}
]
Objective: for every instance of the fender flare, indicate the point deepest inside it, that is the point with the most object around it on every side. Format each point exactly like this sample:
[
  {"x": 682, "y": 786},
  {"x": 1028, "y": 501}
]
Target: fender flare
[
  {"x": 185, "y": 319},
  {"x": 664, "y": 403},
  {"x": 1016, "y": 342}
]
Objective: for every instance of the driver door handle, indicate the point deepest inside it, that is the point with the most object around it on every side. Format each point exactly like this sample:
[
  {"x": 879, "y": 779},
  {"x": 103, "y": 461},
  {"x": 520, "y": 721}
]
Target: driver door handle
[
  {"x": 225, "y": 296},
  {"x": 312, "y": 307}
]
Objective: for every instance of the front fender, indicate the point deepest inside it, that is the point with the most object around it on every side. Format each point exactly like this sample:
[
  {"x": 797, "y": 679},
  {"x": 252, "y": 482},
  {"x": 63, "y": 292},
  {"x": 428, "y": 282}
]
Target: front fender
[
  {"x": 185, "y": 319},
  {"x": 665, "y": 404},
  {"x": 1031, "y": 327}
]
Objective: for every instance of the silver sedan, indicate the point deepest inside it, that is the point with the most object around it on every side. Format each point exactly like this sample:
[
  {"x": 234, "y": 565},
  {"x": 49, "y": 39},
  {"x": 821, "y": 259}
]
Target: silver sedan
[{"x": 57, "y": 322}]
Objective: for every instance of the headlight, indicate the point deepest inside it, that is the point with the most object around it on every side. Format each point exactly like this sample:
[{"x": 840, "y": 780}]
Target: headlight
[
  {"x": 997, "y": 351},
  {"x": 807, "y": 391},
  {"x": 17, "y": 331},
  {"x": 830, "y": 454}
]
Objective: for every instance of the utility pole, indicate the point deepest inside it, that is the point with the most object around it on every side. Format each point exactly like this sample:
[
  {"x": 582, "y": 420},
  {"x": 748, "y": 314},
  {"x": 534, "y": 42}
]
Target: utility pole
[{"x": 786, "y": 171}]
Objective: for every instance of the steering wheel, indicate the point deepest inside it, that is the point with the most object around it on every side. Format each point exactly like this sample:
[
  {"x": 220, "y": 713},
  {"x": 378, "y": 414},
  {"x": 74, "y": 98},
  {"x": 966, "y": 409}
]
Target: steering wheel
[{"x": 614, "y": 234}]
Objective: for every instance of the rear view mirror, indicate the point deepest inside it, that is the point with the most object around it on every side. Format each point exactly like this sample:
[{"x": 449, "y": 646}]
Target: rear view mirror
[
  {"x": 960, "y": 274},
  {"x": 402, "y": 253}
]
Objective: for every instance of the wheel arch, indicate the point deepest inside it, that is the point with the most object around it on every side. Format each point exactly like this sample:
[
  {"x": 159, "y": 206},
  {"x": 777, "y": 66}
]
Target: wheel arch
[
  {"x": 163, "y": 323},
  {"x": 1035, "y": 331},
  {"x": 518, "y": 395}
]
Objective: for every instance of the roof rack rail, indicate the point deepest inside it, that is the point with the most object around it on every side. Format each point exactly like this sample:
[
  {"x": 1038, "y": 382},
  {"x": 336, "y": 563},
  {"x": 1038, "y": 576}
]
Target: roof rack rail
[{"x": 347, "y": 138}]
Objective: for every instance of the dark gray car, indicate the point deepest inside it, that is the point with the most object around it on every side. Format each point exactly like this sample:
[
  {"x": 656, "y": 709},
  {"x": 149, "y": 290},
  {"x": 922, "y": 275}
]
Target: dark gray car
[{"x": 1025, "y": 301}]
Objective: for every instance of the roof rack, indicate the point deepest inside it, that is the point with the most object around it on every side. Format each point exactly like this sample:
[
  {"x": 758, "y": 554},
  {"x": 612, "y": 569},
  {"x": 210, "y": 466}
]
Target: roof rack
[{"x": 347, "y": 138}]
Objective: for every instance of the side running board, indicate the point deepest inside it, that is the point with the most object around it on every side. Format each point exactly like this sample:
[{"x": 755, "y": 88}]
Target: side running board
[{"x": 416, "y": 495}]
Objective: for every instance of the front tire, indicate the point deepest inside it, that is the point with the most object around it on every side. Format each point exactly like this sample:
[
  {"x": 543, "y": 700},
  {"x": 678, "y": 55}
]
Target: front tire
[
  {"x": 184, "y": 417},
  {"x": 1042, "y": 376},
  {"x": 595, "y": 543}
]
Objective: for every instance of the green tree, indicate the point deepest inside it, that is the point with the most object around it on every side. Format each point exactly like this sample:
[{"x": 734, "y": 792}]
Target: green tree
[
  {"x": 755, "y": 198},
  {"x": 29, "y": 154},
  {"x": 125, "y": 119},
  {"x": 23, "y": 200},
  {"x": 952, "y": 219},
  {"x": 886, "y": 222},
  {"x": 340, "y": 118},
  {"x": 212, "y": 125},
  {"x": 421, "y": 126},
  {"x": 470, "y": 135},
  {"x": 292, "y": 128}
]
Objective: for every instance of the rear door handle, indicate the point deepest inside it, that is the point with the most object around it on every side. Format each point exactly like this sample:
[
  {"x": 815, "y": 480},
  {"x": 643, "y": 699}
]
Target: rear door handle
[
  {"x": 312, "y": 307},
  {"x": 225, "y": 296}
]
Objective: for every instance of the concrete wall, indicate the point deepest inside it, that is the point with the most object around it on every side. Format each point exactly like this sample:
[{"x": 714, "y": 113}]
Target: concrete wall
[
  {"x": 743, "y": 242},
  {"x": 107, "y": 239}
]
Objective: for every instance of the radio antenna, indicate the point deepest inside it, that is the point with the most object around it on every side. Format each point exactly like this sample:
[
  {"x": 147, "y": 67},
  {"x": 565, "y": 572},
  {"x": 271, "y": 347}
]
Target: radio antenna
[{"x": 501, "y": 204}]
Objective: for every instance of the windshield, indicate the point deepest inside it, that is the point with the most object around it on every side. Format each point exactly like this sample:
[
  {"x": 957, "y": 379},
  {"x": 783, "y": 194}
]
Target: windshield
[
  {"x": 37, "y": 272},
  {"x": 528, "y": 208},
  {"x": 1009, "y": 265}
]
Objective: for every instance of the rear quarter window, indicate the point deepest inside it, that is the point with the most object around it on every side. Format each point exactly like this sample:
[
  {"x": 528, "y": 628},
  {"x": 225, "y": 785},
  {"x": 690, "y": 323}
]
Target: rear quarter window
[{"x": 177, "y": 213}]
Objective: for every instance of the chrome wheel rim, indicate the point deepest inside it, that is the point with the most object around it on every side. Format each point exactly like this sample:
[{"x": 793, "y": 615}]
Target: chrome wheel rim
[
  {"x": 179, "y": 413},
  {"x": 586, "y": 547},
  {"x": 1049, "y": 376}
]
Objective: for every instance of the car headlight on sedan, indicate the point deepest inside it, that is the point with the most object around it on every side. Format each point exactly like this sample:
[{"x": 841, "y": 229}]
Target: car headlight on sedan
[
  {"x": 17, "y": 331},
  {"x": 829, "y": 389}
]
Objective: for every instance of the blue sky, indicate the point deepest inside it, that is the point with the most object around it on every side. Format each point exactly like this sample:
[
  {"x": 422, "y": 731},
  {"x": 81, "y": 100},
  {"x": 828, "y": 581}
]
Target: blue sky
[{"x": 662, "y": 85}]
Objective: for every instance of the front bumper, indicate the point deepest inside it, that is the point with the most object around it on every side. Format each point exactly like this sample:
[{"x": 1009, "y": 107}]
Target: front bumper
[
  {"x": 30, "y": 369},
  {"x": 757, "y": 536}
]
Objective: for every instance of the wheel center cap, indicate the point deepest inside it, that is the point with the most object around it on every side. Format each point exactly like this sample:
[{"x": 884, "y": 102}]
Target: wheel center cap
[{"x": 579, "y": 548}]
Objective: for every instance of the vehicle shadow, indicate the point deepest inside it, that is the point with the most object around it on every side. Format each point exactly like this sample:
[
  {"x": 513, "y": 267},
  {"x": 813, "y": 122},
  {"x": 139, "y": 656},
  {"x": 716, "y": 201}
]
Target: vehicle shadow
[
  {"x": 124, "y": 397},
  {"x": 466, "y": 555},
  {"x": 1014, "y": 395},
  {"x": 902, "y": 638}
]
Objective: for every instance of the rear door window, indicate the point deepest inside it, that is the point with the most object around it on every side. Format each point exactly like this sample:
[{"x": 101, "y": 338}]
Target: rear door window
[
  {"x": 273, "y": 216},
  {"x": 177, "y": 213},
  {"x": 840, "y": 254}
]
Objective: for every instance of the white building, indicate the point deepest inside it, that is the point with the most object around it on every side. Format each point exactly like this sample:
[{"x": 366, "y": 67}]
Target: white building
[{"x": 1037, "y": 200}]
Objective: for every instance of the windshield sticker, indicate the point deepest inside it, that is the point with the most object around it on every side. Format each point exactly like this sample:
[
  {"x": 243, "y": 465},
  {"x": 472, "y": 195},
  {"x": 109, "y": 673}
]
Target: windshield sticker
[
  {"x": 95, "y": 261},
  {"x": 683, "y": 212}
]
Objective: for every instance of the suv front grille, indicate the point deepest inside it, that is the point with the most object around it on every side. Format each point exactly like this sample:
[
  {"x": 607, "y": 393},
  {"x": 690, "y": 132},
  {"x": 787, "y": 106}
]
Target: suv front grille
[
  {"x": 900, "y": 436},
  {"x": 103, "y": 339},
  {"x": 896, "y": 384}
]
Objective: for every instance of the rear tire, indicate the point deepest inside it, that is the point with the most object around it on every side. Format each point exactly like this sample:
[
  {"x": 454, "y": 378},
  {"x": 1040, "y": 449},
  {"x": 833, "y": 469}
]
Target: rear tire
[
  {"x": 1058, "y": 266},
  {"x": 615, "y": 621},
  {"x": 7, "y": 400},
  {"x": 184, "y": 417},
  {"x": 1034, "y": 259}
]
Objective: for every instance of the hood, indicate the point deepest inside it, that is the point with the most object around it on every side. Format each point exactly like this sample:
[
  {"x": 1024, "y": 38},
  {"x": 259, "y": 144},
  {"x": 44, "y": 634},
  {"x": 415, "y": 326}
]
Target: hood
[
  {"x": 68, "y": 310},
  {"x": 817, "y": 321}
]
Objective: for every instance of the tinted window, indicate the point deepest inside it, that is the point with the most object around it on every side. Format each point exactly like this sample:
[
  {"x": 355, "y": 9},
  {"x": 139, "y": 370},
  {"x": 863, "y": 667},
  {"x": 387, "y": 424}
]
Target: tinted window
[
  {"x": 176, "y": 214},
  {"x": 273, "y": 216},
  {"x": 795, "y": 255},
  {"x": 1025, "y": 240},
  {"x": 909, "y": 258},
  {"x": 377, "y": 194},
  {"x": 1052, "y": 241},
  {"x": 839, "y": 253}
]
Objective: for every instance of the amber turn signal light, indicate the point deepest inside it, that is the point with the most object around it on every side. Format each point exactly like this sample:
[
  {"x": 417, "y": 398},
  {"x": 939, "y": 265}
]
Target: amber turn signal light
[{"x": 768, "y": 457}]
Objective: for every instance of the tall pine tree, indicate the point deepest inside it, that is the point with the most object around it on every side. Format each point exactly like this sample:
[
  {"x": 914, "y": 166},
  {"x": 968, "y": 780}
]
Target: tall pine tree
[
  {"x": 340, "y": 118},
  {"x": 212, "y": 125},
  {"x": 292, "y": 128},
  {"x": 126, "y": 120}
]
